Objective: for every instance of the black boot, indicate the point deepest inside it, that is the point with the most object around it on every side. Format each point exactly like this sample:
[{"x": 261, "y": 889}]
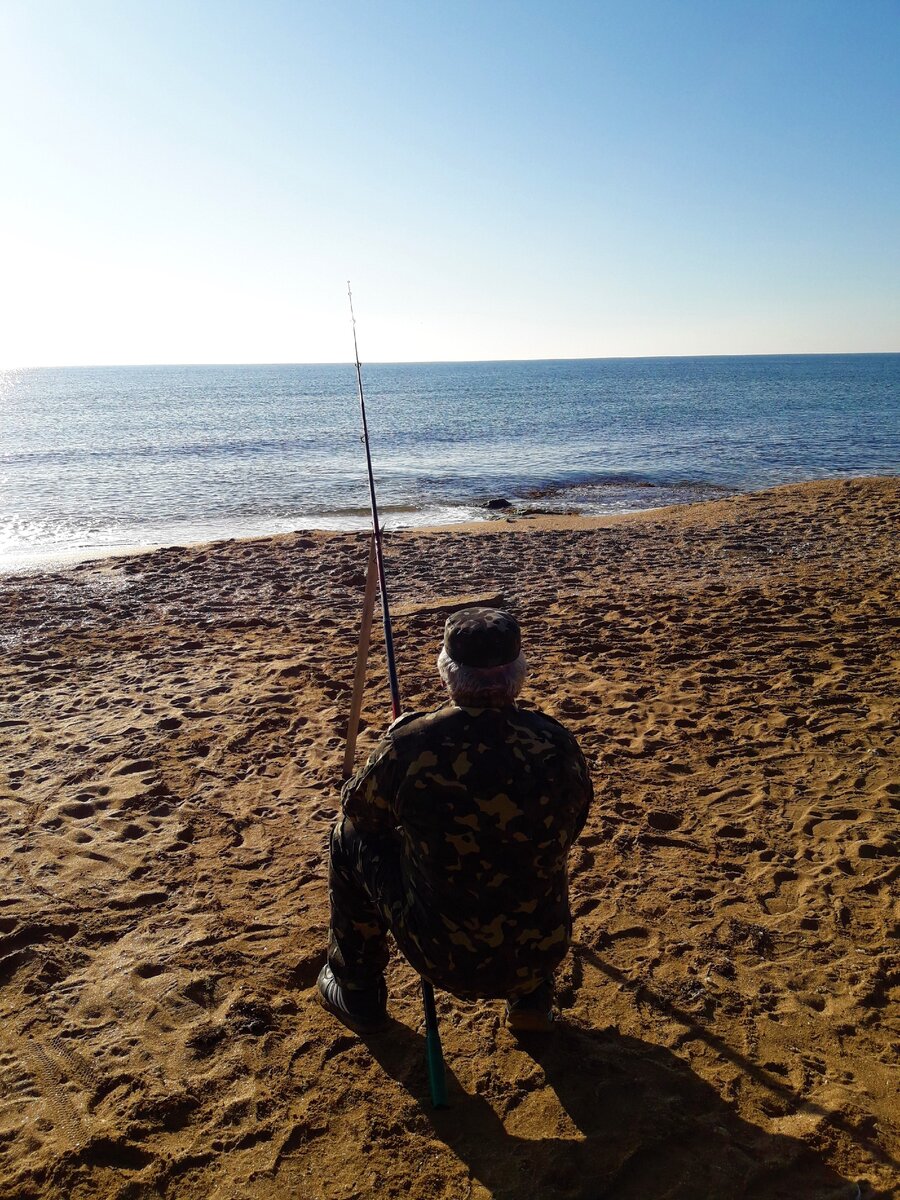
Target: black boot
[
  {"x": 532, "y": 1013},
  {"x": 363, "y": 1010}
]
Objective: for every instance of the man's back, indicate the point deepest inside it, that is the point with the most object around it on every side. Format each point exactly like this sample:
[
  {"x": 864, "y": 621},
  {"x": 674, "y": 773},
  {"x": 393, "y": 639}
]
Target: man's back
[{"x": 483, "y": 806}]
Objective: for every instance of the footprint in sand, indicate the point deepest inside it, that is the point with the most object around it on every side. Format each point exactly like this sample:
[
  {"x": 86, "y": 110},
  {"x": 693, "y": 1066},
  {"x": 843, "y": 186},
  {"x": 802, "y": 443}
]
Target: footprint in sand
[{"x": 665, "y": 821}]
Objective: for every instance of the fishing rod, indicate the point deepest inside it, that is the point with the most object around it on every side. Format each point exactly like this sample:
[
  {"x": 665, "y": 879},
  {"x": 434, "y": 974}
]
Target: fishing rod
[
  {"x": 434, "y": 1055},
  {"x": 376, "y": 530}
]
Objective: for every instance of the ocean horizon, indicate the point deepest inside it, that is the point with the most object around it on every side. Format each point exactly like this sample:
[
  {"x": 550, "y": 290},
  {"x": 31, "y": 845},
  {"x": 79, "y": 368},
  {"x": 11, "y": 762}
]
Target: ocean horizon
[
  {"x": 443, "y": 362},
  {"x": 96, "y": 460}
]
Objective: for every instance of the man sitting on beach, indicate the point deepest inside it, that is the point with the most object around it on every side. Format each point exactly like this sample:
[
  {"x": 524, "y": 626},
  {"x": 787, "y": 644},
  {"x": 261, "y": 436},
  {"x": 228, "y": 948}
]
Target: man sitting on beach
[{"x": 455, "y": 837}]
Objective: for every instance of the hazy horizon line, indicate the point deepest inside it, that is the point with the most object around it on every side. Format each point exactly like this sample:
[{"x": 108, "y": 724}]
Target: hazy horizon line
[{"x": 440, "y": 362}]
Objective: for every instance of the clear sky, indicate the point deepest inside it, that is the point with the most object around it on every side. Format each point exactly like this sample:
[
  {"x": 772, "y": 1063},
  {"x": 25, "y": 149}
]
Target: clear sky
[{"x": 186, "y": 181}]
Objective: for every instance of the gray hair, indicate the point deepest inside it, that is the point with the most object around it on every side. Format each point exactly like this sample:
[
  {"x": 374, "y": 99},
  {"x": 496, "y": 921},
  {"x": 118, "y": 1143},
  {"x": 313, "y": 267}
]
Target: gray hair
[{"x": 482, "y": 687}]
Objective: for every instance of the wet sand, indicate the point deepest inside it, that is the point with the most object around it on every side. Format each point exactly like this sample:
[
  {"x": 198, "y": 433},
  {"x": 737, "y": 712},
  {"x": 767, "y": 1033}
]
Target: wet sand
[{"x": 172, "y": 730}]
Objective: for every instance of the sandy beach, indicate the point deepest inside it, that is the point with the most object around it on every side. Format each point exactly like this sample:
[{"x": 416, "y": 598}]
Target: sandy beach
[{"x": 172, "y": 727}]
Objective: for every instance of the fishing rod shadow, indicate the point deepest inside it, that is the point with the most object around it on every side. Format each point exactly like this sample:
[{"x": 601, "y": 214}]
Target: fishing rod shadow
[
  {"x": 784, "y": 1095},
  {"x": 619, "y": 1113}
]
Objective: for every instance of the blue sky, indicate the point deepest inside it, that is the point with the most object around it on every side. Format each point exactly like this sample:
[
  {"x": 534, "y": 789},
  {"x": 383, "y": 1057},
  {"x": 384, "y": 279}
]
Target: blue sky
[{"x": 195, "y": 182}]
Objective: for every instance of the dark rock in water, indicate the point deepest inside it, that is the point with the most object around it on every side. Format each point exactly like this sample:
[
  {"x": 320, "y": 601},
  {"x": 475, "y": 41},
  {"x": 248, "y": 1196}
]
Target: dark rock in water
[
  {"x": 497, "y": 502},
  {"x": 534, "y": 511}
]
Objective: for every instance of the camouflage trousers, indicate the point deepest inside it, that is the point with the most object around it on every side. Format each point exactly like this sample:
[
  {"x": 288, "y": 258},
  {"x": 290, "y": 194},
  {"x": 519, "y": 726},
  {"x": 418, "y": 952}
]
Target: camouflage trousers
[{"x": 364, "y": 890}]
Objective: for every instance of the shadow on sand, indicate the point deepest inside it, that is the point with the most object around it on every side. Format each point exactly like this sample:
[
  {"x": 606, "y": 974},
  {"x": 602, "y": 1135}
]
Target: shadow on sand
[{"x": 650, "y": 1129}]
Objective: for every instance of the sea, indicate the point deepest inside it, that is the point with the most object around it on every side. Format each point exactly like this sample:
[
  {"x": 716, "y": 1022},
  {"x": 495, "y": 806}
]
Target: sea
[{"x": 99, "y": 460}]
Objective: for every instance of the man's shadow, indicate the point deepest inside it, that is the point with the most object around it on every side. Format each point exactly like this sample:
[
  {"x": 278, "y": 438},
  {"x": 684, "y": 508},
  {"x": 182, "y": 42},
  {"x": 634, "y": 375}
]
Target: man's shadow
[{"x": 648, "y": 1128}]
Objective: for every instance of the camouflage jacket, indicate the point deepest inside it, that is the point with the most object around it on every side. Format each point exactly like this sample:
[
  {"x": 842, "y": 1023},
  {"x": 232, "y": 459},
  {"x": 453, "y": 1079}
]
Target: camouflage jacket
[{"x": 482, "y": 806}]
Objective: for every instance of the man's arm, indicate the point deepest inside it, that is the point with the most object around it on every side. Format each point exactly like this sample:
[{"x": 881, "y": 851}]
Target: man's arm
[{"x": 368, "y": 798}]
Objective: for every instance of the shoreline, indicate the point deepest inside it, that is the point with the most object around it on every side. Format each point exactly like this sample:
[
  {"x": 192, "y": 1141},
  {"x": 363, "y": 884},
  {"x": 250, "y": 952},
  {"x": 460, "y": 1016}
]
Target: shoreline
[
  {"x": 40, "y": 562},
  {"x": 56, "y": 561},
  {"x": 172, "y": 742},
  {"x": 36, "y": 561}
]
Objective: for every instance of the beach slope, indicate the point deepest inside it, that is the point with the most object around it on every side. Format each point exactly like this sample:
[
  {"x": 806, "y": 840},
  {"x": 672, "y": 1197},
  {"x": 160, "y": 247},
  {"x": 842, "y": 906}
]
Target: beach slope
[{"x": 172, "y": 730}]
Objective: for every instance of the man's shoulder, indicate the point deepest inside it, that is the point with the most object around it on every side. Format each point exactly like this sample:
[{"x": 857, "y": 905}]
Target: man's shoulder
[
  {"x": 411, "y": 725},
  {"x": 535, "y": 718},
  {"x": 404, "y": 719}
]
